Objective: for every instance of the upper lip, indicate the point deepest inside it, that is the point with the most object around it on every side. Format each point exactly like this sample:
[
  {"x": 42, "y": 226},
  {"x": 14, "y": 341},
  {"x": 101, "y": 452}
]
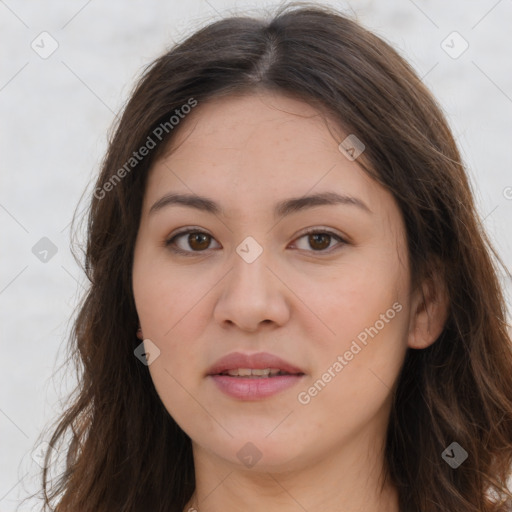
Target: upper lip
[{"x": 258, "y": 361}]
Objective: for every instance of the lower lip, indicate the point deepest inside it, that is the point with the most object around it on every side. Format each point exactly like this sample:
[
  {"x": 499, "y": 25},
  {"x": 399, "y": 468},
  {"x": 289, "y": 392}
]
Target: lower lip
[{"x": 247, "y": 388}]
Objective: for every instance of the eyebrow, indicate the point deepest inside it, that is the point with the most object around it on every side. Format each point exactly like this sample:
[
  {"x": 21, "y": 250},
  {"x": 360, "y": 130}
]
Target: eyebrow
[{"x": 281, "y": 209}]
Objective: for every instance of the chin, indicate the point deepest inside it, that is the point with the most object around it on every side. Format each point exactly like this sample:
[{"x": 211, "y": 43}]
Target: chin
[{"x": 259, "y": 453}]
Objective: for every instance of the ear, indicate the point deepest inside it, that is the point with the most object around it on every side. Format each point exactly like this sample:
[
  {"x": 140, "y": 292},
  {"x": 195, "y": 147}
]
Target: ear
[{"x": 429, "y": 310}]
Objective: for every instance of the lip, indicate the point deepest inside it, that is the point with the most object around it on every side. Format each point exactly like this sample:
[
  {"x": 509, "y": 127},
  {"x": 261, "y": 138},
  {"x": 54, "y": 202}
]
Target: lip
[
  {"x": 258, "y": 361},
  {"x": 254, "y": 388}
]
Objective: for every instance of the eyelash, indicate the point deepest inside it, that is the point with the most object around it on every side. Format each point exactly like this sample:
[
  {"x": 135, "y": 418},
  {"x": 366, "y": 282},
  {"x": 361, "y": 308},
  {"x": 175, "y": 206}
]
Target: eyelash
[{"x": 170, "y": 242}]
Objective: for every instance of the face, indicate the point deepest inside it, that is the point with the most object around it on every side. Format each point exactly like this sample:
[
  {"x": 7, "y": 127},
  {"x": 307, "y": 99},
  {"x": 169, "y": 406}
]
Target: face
[{"x": 250, "y": 278}]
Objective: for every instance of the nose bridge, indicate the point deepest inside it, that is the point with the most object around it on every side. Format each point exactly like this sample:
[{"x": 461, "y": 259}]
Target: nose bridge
[
  {"x": 250, "y": 272},
  {"x": 252, "y": 294}
]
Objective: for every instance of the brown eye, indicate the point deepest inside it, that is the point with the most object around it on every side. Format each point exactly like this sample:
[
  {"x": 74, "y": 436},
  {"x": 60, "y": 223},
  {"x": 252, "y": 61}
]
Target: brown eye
[
  {"x": 320, "y": 241},
  {"x": 198, "y": 241},
  {"x": 195, "y": 241}
]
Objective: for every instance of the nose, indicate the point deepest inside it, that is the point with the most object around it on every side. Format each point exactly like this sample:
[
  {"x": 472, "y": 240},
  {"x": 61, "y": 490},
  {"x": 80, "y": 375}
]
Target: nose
[{"x": 252, "y": 294}]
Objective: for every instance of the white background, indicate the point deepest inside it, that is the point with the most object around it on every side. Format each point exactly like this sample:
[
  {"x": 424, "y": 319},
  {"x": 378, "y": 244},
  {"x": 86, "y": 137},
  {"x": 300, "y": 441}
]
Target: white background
[{"x": 55, "y": 114}]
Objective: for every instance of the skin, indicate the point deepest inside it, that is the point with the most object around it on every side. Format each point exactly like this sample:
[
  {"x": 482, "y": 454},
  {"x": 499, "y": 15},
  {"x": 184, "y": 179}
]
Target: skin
[{"x": 302, "y": 299}]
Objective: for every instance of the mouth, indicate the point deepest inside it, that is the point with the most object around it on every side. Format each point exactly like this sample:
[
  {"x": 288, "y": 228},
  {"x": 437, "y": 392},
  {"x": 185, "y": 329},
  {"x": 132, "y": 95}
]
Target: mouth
[
  {"x": 256, "y": 373},
  {"x": 251, "y": 377},
  {"x": 259, "y": 365}
]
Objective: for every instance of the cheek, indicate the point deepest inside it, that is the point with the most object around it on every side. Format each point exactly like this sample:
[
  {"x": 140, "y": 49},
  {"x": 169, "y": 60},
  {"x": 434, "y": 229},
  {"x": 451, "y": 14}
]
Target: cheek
[
  {"x": 173, "y": 381},
  {"x": 165, "y": 295},
  {"x": 356, "y": 298},
  {"x": 168, "y": 304},
  {"x": 354, "y": 371},
  {"x": 365, "y": 311}
]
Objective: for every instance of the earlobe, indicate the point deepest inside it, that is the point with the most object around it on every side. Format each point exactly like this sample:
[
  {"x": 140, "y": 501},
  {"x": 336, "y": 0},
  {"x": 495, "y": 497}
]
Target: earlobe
[{"x": 429, "y": 312}]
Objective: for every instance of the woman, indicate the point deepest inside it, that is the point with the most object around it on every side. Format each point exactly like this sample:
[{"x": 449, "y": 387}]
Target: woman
[{"x": 293, "y": 305}]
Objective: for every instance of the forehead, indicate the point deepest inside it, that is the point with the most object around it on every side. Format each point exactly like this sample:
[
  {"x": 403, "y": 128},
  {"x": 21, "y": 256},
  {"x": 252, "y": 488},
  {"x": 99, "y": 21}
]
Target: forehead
[
  {"x": 255, "y": 148},
  {"x": 249, "y": 121}
]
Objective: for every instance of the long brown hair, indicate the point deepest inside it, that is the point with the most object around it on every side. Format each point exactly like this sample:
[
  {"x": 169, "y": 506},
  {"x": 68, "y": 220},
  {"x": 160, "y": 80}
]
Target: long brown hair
[{"x": 123, "y": 450}]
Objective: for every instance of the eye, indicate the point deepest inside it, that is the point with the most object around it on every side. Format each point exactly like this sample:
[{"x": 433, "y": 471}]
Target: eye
[
  {"x": 199, "y": 241},
  {"x": 320, "y": 239}
]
